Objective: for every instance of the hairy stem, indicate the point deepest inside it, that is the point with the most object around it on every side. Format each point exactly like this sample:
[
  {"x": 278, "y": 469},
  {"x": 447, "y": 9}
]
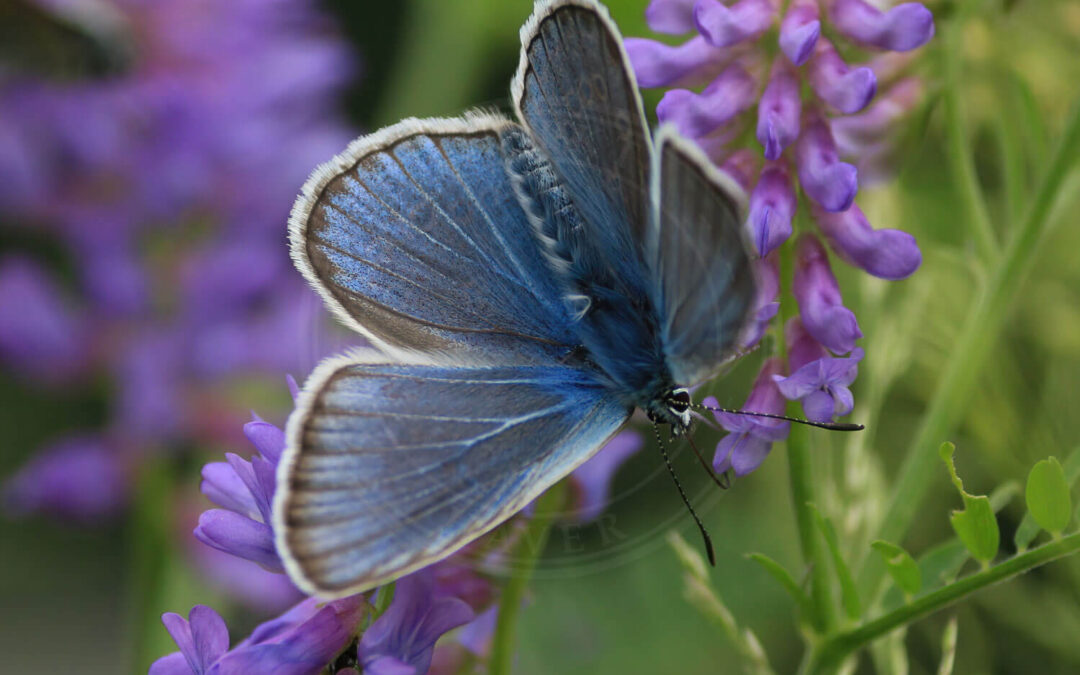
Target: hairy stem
[
  {"x": 525, "y": 554},
  {"x": 833, "y": 649}
]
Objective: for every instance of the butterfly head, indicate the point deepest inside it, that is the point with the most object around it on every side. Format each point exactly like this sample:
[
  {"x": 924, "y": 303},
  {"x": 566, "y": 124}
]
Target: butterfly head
[{"x": 672, "y": 408}]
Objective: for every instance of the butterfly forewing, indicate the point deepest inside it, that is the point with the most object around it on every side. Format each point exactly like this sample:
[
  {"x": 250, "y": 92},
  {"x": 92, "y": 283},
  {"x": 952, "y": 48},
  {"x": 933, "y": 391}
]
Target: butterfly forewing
[
  {"x": 414, "y": 237},
  {"x": 391, "y": 466}
]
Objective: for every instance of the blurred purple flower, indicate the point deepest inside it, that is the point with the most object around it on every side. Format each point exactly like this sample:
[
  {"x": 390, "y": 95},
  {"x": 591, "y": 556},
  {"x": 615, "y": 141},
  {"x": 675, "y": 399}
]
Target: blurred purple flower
[
  {"x": 772, "y": 209},
  {"x": 81, "y": 479},
  {"x": 402, "y": 640},
  {"x": 695, "y": 115},
  {"x": 901, "y": 28},
  {"x": 167, "y": 184},
  {"x": 751, "y": 438},
  {"x": 41, "y": 334},
  {"x": 799, "y": 31},
  {"x": 593, "y": 478}
]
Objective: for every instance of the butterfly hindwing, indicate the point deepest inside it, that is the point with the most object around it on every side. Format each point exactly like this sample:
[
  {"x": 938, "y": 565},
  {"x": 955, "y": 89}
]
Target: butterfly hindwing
[
  {"x": 392, "y": 466},
  {"x": 414, "y": 238},
  {"x": 704, "y": 285}
]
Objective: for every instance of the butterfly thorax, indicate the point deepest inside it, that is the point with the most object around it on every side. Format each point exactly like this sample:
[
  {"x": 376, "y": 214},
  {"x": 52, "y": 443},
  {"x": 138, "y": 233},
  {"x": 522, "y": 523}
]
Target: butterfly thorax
[{"x": 605, "y": 293}]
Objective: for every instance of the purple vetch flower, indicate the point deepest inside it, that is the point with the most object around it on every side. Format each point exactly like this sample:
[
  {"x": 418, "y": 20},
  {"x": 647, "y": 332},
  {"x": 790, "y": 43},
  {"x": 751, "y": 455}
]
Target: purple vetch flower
[
  {"x": 847, "y": 89},
  {"x": 402, "y": 640},
  {"x": 820, "y": 121},
  {"x": 724, "y": 26},
  {"x": 828, "y": 181},
  {"x": 885, "y": 253},
  {"x": 300, "y": 642},
  {"x": 202, "y": 638},
  {"x": 772, "y": 208},
  {"x": 670, "y": 16},
  {"x": 661, "y": 65},
  {"x": 766, "y": 304},
  {"x": 820, "y": 303},
  {"x": 750, "y": 438},
  {"x": 41, "y": 334},
  {"x": 698, "y": 114},
  {"x": 246, "y": 491},
  {"x": 799, "y": 31},
  {"x": 779, "y": 111},
  {"x": 821, "y": 383},
  {"x": 592, "y": 479},
  {"x": 79, "y": 479},
  {"x": 900, "y": 29}
]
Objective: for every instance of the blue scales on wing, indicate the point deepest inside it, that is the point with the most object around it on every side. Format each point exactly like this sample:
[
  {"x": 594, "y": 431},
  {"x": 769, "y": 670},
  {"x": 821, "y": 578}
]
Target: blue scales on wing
[
  {"x": 414, "y": 237},
  {"x": 404, "y": 464},
  {"x": 582, "y": 173}
]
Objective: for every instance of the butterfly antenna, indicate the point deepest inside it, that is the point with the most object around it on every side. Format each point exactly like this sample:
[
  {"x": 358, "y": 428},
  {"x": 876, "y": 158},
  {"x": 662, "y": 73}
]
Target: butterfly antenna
[
  {"x": 705, "y": 465},
  {"x": 682, "y": 493},
  {"x": 832, "y": 426}
]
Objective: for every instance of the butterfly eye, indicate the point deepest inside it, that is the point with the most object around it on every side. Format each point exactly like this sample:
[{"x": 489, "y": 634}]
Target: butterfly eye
[{"x": 679, "y": 400}]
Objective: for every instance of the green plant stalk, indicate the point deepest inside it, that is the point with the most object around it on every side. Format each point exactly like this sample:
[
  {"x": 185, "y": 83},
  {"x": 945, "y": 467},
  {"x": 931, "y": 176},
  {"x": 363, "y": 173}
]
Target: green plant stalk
[
  {"x": 961, "y": 162},
  {"x": 526, "y": 552},
  {"x": 977, "y": 337},
  {"x": 833, "y": 649},
  {"x": 801, "y": 480},
  {"x": 150, "y": 548}
]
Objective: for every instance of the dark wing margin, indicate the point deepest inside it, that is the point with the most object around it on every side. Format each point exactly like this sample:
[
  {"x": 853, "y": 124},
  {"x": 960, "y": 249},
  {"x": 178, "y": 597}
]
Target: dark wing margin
[
  {"x": 575, "y": 92},
  {"x": 391, "y": 467},
  {"x": 699, "y": 256},
  {"x": 414, "y": 238}
]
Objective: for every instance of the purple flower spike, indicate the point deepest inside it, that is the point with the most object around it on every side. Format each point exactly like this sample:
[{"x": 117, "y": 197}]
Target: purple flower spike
[
  {"x": 751, "y": 438},
  {"x": 724, "y": 26},
  {"x": 695, "y": 115},
  {"x": 40, "y": 334},
  {"x": 887, "y": 254},
  {"x": 765, "y": 304},
  {"x": 674, "y": 17},
  {"x": 79, "y": 479},
  {"x": 202, "y": 640},
  {"x": 829, "y": 182},
  {"x": 403, "y": 639},
  {"x": 902, "y": 28},
  {"x": 659, "y": 65},
  {"x": 822, "y": 386},
  {"x": 818, "y": 295},
  {"x": 779, "y": 111},
  {"x": 799, "y": 31},
  {"x": 847, "y": 89},
  {"x": 593, "y": 478},
  {"x": 772, "y": 207}
]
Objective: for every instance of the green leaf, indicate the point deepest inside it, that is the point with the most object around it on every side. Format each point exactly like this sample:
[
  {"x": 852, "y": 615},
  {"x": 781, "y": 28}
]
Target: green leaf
[
  {"x": 902, "y": 567},
  {"x": 975, "y": 525},
  {"x": 849, "y": 595},
  {"x": 778, "y": 572},
  {"x": 1047, "y": 496},
  {"x": 1029, "y": 529}
]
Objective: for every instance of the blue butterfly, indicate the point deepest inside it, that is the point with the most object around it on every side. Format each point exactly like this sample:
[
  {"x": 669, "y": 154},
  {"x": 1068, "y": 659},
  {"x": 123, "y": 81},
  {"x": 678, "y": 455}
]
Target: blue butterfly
[{"x": 527, "y": 284}]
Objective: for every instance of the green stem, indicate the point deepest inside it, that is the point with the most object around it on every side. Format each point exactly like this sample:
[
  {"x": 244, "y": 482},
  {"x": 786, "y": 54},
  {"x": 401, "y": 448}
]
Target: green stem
[
  {"x": 977, "y": 337},
  {"x": 961, "y": 162},
  {"x": 831, "y": 651},
  {"x": 525, "y": 554},
  {"x": 150, "y": 547},
  {"x": 801, "y": 481}
]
